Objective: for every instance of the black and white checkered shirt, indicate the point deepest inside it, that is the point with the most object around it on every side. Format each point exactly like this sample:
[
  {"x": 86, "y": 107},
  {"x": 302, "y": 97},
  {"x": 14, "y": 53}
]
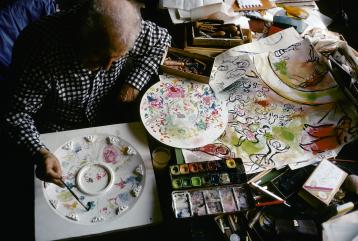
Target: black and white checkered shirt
[{"x": 54, "y": 92}]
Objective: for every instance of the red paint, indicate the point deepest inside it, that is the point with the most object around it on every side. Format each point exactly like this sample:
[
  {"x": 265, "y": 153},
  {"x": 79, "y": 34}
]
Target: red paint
[
  {"x": 327, "y": 137},
  {"x": 320, "y": 131},
  {"x": 263, "y": 103}
]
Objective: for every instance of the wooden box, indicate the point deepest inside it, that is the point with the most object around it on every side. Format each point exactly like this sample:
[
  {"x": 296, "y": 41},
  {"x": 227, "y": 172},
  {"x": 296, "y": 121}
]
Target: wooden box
[
  {"x": 219, "y": 42},
  {"x": 175, "y": 54}
]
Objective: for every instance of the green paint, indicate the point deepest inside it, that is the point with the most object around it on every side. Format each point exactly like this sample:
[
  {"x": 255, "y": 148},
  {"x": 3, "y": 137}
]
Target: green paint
[
  {"x": 281, "y": 67},
  {"x": 234, "y": 140},
  {"x": 268, "y": 135},
  {"x": 196, "y": 181},
  {"x": 285, "y": 133},
  {"x": 250, "y": 147},
  {"x": 334, "y": 93}
]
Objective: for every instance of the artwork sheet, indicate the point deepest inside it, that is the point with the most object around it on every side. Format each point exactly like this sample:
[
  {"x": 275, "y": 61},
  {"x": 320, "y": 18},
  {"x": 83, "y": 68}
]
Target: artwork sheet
[{"x": 284, "y": 106}]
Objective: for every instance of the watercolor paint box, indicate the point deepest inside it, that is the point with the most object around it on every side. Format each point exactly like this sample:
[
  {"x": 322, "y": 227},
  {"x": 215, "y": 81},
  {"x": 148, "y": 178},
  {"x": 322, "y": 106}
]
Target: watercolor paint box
[
  {"x": 206, "y": 174},
  {"x": 211, "y": 201}
]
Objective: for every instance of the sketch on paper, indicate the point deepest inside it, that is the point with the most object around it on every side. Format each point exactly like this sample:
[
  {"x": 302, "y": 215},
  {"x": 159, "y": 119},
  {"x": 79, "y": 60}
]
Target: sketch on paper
[
  {"x": 102, "y": 173},
  {"x": 298, "y": 73},
  {"x": 298, "y": 118},
  {"x": 182, "y": 113}
]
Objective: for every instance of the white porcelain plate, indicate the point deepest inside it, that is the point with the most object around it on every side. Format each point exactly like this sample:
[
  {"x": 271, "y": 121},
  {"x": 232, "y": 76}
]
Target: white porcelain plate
[
  {"x": 182, "y": 113},
  {"x": 105, "y": 172}
]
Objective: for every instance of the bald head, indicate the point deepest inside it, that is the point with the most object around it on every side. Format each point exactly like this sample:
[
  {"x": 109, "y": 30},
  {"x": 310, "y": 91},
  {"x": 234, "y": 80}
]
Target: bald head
[{"x": 108, "y": 30}]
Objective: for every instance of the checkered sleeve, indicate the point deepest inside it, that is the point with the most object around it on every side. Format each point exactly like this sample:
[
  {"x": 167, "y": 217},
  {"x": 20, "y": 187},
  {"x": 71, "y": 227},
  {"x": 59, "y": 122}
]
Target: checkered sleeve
[
  {"x": 26, "y": 101},
  {"x": 147, "y": 53}
]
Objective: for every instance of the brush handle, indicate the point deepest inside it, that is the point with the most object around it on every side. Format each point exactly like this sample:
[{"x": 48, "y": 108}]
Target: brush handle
[{"x": 74, "y": 194}]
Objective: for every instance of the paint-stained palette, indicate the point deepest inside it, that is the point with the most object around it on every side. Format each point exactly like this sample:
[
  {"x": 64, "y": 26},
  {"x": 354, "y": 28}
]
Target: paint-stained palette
[
  {"x": 183, "y": 113},
  {"x": 105, "y": 172}
]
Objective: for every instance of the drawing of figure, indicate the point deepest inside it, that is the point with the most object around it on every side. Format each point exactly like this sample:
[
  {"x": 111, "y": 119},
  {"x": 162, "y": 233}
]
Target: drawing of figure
[
  {"x": 328, "y": 136},
  {"x": 266, "y": 159}
]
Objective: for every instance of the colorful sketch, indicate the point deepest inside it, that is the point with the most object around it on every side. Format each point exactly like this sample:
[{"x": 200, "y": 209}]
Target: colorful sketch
[
  {"x": 301, "y": 67},
  {"x": 104, "y": 175},
  {"x": 265, "y": 128},
  {"x": 183, "y": 113},
  {"x": 299, "y": 74}
]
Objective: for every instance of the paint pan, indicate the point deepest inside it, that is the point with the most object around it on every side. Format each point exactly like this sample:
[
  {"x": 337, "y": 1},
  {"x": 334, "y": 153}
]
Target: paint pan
[
  {"x": 212, "y": 166},
  {"x": 198, "y": 203},
  {"x": 213, "y": 201},
  {"x": 201, "y": 167},
  {"x": 186, "y": 182},
  {"x": 181, "y": 204},
  {"x": 215, "y": 179},
  {"x": 174, "y": 170},
  {"x": 196, "y": 181},
  {"x": 230, "y": 163},
  {"x": 184, "y": 169},
  {"x": 177, "y": 183},
  {"x": 206, "y": 180},
  {"x": 224, "y": 178},
  {"x": 193, "y": 168},
  {"x": 241, "y": 198},
  {"x": 228, "y": 200}
]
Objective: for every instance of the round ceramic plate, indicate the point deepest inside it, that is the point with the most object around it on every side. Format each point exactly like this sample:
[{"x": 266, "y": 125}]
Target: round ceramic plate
[
  {"x": 182, "y": 113},
  {"x": 301, "y": 67},
  {"x": 288, "y": 91},
  {"x": 105, "y": 172}
]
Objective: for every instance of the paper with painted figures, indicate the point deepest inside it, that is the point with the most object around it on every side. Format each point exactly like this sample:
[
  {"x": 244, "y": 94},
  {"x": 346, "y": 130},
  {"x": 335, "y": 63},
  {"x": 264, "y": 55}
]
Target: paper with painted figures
[
  {"x": 105, "y": 172},
  {"x": 286, "y": 117},
  {"x": 182, "y": 113}
]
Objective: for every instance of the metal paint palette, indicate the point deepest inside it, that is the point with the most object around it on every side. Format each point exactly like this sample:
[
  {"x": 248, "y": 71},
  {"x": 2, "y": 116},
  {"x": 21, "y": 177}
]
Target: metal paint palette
[{"x": 105, "y": 172}]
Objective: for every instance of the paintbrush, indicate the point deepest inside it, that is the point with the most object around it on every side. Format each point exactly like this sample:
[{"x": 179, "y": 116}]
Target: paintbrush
[
  {"x": 268, "y": 192},
  {"x": 74, "y": 194}
]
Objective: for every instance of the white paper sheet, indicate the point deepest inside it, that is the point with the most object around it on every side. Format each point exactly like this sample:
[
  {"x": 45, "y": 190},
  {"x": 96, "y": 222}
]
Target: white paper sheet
[{"x": 188, "y": 4}]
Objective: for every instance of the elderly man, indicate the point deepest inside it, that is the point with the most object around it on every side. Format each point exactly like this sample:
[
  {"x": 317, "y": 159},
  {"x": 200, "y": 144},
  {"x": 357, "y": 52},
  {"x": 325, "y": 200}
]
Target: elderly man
[{"x": 66, "y": 64}]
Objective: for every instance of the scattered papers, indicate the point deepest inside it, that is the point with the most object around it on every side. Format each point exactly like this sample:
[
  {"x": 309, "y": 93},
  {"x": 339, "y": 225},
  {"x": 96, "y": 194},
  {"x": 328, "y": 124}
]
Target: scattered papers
[{"x": 188, "y": 4}]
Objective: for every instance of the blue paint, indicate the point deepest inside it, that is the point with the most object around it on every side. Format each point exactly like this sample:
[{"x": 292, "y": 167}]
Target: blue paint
[{"x": 91, "y": 205}]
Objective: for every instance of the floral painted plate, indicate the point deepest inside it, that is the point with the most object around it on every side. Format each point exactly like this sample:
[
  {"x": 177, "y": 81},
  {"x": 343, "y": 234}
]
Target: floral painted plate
[
  {"x": 182, "y": 113},
  {"x": 301, "y": 67},
  {"x": 105, "y": 172}
]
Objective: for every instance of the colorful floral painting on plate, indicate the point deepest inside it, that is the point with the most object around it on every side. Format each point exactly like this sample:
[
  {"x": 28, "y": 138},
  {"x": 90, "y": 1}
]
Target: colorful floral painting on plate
[{"x": 182, "y": 113}]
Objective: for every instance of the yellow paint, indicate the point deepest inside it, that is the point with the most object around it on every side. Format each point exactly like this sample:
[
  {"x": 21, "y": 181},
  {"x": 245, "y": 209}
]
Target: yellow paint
[{"x": 64, "y": 196}]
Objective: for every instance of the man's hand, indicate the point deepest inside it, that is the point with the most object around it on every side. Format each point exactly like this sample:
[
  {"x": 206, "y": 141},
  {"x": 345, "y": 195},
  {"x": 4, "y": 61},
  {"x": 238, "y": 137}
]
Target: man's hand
[
  {"x": 48, "y": 168},
  {"x": 128, "y": 93}
]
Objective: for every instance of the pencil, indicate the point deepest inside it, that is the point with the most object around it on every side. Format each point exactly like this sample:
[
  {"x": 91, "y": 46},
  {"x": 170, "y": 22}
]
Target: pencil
[{"x": 269, "y": 203}]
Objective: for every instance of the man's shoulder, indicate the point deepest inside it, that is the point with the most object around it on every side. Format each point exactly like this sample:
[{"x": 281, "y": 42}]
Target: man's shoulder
[
  {"x": 155, "y": 29},
  {"x": 46, "y": 31}
]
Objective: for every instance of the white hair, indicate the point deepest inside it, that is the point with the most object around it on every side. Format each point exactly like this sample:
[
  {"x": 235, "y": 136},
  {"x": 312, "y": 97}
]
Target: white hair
[{"x": 122, "y": 16}]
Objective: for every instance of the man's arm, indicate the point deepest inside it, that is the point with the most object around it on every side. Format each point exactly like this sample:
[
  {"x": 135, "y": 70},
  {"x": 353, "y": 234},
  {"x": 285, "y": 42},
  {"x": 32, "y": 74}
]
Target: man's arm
[
  {"x": 147, "y": 52},
  {"x": 31, "y": 88}
]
